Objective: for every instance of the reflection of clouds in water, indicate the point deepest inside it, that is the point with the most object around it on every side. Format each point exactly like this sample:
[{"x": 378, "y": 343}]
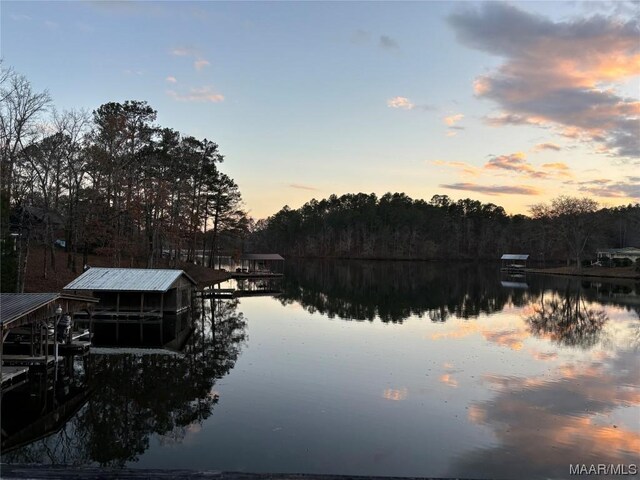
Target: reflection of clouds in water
[
  {"x": 447, "y": 380},
  {"x": 543, "y": 356},
  {"x": 395, "y": 394},
  {"x": 446, "y": 377},
  {"x": 546, "y": 424},
  {"x": 512, "y": 339},
  {"x": 527, "y": 329},
  {"x": 504, "y": 331}
]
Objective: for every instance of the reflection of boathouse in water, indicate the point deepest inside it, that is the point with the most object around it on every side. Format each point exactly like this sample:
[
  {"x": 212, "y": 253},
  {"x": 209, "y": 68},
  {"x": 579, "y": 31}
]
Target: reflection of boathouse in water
[{"x": 146, "y": 306}]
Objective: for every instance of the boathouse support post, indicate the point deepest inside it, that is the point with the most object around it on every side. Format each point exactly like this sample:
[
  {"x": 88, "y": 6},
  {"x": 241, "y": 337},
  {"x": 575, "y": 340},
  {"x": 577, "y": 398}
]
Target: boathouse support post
[
  {"x": 46, "y": 343},
  {"x": 90, "y": 325},
  {"x": 161, "y": 317},
  {"x": 141, "y": 317},
  {"x": 118, "y": 318},
  {"x": 32, "y": 340},
  {"x": 1, "y": 347}
]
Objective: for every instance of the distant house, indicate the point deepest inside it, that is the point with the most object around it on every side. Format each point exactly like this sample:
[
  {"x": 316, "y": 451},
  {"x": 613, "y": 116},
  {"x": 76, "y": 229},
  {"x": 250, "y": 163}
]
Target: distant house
[
  {"x": 632, "y": 253},
  {"x": 136, "y": 296}
]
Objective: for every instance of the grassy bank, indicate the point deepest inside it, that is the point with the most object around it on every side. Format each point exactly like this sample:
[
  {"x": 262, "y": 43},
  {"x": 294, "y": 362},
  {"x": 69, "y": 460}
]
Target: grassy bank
[
  {"x": 604, "y": 272},
  {"x": 56, "y": 280}
]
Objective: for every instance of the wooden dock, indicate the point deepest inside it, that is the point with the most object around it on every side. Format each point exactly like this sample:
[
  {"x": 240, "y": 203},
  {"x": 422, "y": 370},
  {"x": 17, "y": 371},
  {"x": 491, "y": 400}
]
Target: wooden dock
[
  {"x": 244, "y": 275},
  {"x": 229, "y": 293},
  {"x": 13, "y": 374},
  {"x": 25, "y": 360}
]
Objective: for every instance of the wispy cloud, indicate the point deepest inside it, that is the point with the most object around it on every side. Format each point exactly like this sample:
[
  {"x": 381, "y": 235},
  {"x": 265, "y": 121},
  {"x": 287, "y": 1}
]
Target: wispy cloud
[
  {"x": 451, "y": 120},
  {"x": 556, "y": 166},
  {"x": 404, "y": 103},
  {"x": 202, "y": 94},
  {"x": 200, "y": 64},
  {"x": 171, "y": 79},
  {"x": 302, "y": 187},
  {"x": 388, "y": 43},
  {"x": 400, "y": 102},
  {"x": 547, "y": 146},
  {"x": 610, "y": 189},
  {"x": 384, "y": 42},
  {"x": 360, "y": 37},
  {"x": 184, "y": 51},
  {"x": 19, "y": 17},
  {"x": 559, "y": 74},
  {"x": 51, "y": 24},
  {"x": 494, "y": 189},
  {"x": 462, "y": 167},
  {"x": 515, "y": 162}
]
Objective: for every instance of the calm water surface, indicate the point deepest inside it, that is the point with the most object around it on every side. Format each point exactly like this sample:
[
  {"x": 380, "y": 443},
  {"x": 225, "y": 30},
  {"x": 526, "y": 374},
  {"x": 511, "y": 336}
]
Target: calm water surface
[{"x": 367, "y": 368}]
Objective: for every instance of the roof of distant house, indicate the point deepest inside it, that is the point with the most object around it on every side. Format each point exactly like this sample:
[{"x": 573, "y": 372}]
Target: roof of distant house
[
  {"x": 634, "y": 250},
  {"x": 127, "y": 279}
]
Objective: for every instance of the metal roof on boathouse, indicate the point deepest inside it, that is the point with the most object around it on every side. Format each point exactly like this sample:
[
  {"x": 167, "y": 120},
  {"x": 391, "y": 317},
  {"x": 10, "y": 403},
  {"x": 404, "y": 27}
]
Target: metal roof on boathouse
[
  {"x": 127, "y": 279},
  {"x": 514, "y": 256}
]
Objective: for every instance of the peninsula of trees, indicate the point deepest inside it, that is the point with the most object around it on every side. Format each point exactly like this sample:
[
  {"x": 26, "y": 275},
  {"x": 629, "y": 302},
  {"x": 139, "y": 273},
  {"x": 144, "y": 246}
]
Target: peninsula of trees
[{"x": 111, "y": 182}]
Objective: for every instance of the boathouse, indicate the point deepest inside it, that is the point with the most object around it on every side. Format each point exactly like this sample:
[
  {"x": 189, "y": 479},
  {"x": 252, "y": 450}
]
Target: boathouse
[
  {"x": 513, "y": 262},
  {"x": 26, "y": 320},
  {"x": 136, "y": 296},
  {"x": 262, "y": 263}
]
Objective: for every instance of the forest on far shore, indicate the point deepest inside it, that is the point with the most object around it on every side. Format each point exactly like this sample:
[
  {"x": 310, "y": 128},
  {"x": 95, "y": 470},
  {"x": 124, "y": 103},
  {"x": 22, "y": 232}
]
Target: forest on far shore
[{"x": 395, "y": 226}]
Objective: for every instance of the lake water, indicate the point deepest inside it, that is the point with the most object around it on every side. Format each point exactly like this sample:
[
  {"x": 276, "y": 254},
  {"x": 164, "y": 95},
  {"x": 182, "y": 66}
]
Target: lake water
[{"x": 365, "y": 368}]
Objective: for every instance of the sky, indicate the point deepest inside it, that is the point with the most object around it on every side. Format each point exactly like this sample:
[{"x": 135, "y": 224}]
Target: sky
[{"x": 512, "y": 103}]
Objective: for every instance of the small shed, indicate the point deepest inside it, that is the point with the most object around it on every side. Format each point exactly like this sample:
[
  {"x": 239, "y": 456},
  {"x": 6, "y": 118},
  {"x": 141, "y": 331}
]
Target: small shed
[
  {"x": 513, "y": 262},
  {"x": 262, "y": 263}
]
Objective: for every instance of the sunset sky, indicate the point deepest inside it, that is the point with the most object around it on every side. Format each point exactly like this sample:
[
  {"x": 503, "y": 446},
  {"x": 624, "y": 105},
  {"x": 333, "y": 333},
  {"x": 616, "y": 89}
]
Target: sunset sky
[{"x": 510, "y": 103}]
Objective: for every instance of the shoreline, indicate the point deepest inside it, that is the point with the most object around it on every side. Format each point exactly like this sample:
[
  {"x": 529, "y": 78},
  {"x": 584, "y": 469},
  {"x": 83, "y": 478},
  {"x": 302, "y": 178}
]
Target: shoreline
[{"x": 622, "y": 273}]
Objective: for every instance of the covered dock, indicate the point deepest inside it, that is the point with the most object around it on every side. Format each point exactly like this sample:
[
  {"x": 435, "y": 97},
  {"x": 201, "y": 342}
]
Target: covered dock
[
  {"x": 257, "y": 265},
  {"x": 137, "y": 298},
  {"x": 32, "y": 318},
  {"x": 513, "y": 262}
]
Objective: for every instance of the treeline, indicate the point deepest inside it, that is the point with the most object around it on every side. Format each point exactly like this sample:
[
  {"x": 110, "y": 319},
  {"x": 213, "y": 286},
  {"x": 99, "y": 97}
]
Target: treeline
[
  {"x": 112, "y": 182},
  {"x": 396, "y": 226}
]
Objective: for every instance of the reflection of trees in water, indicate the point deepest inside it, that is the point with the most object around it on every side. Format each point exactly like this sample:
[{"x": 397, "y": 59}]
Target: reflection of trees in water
[
  {"x": 394, "y": 291},
  {"x": 361, "y": 290},
  {"x": 565, "y": 318},
  {"x": 137, "y": 396}
]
